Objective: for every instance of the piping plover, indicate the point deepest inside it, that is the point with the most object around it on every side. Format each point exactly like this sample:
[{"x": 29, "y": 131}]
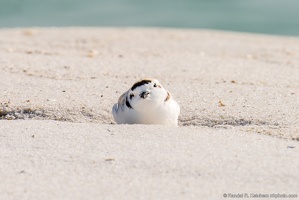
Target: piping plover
[{"x": 146, "y": 102}]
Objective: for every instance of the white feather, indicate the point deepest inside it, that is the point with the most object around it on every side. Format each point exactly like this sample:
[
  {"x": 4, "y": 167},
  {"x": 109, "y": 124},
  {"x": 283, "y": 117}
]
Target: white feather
[{"x": 157, "y": 106}]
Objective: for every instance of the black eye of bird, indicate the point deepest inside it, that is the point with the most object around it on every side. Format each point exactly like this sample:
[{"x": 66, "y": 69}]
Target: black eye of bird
[
  {"x": 155, "y": 85},
  {"x": 131, "y": 96}
]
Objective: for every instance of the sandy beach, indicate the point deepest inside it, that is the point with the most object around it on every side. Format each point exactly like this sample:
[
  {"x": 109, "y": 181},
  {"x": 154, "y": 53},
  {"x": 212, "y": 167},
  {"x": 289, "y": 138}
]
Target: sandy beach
[{"x": 238, "y": 128}]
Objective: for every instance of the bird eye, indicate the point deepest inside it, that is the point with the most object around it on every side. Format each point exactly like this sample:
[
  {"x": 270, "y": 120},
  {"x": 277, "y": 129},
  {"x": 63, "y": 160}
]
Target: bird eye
[
  {"x": 155, "y": 85},
  {"x": 131, "y": 96}
]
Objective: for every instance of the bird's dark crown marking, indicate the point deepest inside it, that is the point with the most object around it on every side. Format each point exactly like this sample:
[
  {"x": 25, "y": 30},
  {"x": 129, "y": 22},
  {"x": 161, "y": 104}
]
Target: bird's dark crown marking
[
  {"x": 140, "y": 83},
  {"x": 128, "y": 104}
]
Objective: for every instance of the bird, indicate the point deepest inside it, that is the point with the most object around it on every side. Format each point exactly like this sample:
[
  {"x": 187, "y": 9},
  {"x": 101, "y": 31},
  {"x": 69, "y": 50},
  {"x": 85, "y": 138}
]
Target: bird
[{"x": 146, "y": 102}]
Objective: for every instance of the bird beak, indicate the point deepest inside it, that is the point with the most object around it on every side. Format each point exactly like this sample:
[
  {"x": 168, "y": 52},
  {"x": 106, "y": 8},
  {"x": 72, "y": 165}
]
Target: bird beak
[{"x": 144, "y": 94}]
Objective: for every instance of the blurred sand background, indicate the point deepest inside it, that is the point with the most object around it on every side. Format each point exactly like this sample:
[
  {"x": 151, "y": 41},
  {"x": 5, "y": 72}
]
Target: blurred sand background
[{"x": 239, "y": 122}]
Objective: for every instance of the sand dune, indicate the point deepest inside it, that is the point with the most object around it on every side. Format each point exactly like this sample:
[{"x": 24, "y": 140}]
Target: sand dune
[{"x": 239, "y": 122}]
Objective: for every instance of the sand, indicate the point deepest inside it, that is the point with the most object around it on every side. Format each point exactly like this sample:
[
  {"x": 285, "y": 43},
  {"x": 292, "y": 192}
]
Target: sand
[{"x": 239, "y": 122}]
